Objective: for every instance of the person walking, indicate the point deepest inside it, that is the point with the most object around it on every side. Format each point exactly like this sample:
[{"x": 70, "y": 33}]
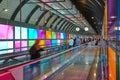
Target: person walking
[{"x": 71, "y": 41}]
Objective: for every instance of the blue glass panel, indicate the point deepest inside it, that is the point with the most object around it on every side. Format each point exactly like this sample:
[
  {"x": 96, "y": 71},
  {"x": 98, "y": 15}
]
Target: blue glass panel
[{"x": 33, "y": 33}]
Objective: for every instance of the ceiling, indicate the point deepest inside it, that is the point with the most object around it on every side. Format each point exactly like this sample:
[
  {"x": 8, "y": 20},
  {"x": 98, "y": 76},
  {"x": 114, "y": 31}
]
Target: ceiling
[
  {"x": 93, "y": 11},
  {"x": 58, "y": 15}
]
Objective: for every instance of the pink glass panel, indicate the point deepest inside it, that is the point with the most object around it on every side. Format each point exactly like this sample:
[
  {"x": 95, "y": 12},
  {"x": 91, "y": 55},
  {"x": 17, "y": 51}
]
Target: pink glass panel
[
  {"x": 17, "y": 44},
  {"x": 24, "y": 43},
  {"x": 58, "y": 35},
  {"x": 6, "y": 31}
]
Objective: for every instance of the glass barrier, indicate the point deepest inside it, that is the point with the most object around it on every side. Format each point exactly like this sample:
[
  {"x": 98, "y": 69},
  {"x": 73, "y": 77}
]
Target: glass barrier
[
  {"x": 49, "y": 67},
  {"x": 20, "y": 58},
  {"x": 46, "y": 66}
]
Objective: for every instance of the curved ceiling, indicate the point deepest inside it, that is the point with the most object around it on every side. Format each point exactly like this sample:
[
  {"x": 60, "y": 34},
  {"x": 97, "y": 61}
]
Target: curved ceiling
[
  {"x": 59, "y": 15},
  {"x": 93, "y": 11}
]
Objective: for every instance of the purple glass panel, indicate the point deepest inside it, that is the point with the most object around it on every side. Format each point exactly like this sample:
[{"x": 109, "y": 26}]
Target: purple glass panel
[
  {"x": 48, "y": 42},
  {"x": 112, "y": 18},
  {"x": 41, "y": 34}
]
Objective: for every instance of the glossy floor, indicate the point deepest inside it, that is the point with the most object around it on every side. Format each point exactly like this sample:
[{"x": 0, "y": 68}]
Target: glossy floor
[{"x": 84, "y": 66}]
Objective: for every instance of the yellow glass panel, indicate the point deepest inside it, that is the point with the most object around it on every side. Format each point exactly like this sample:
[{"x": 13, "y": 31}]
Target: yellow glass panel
[{"x": 42, "y": 43}]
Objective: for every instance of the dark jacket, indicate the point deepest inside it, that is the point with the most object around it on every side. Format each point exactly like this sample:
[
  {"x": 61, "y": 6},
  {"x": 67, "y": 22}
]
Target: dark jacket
[{"x": 35, "y": 52}]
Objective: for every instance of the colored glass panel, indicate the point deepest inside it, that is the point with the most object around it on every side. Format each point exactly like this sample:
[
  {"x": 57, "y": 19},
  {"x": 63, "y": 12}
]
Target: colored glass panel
[
  {"x": 17, "y": 44},
  {"x": 42, "y": 43},
  {"x": 48, "y": 42},
  {"x": 112, "y": 14},
  {"x": 31, "y": 42},
  {"x": 17, "y": 32},
  {"x": 119, "y": 67},
  {"x": 111, "y": 64},
  {"x": 54, "y": 42},
  {"x": 6, "y": 44},
  {"x": 58, "y": 35},
  {"x": 24, "y": 33},
  {"x": 11, "y": 50},
  {"x": 118, "y": 15},
  {"x": 67, "y": 41},
  {"x": 24, "y": 43},
  {"x": 65, "y": 36},
  {"x": 58, "y": 42},
  {"x": 24, "y": 49},
  {"x": 41, "y": 34},
  {"x": 6, "y": 31},
  {"x": 61, "y": 41},
  {"x": 70, "y": 36},
  {"x": 53, "y": 35},
  {"x": 17, "y": 50},
  {"x": 33, "y": 33},
  {"x": 48, "y": 35},
  {"x": 61, "y": 36},
  {"x": 5, "y": 51}
]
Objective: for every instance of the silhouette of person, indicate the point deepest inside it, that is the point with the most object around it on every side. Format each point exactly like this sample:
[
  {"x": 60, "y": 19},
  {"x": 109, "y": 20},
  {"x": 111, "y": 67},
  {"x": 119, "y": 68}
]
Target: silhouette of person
[{"x": 35, "y": 50}]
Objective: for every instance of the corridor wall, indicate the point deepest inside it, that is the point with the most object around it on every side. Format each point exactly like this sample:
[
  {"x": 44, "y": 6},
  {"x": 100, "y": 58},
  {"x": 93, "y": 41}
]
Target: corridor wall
[{"x": 15, "y": 38}]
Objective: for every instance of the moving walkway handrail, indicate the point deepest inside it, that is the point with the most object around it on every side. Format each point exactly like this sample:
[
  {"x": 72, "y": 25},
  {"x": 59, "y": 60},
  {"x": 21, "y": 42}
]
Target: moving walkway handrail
[
  {"x": 37, "y": 60},
  {"x": 18, "y": 68}
]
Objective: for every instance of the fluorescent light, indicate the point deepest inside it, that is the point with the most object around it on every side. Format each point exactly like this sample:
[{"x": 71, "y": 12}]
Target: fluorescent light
[
  {"x": 117, "y": 28},
  {"x": 86, "y": 29},
  {"x": 77, "y": 28},
  {"x": 92, "y": 17},
  {"x": 5, "y": 9}
]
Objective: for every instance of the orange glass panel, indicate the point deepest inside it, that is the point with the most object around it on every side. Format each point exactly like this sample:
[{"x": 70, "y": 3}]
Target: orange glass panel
[
  {"x": 70, "y": 35},
  {"x": 42, "y": 43},
  {"x": 48, "y": 35},
  {"x": 67, "y": 41},
  {"x": 111, "y": 64},
  {"x": 106, "y": 22}
]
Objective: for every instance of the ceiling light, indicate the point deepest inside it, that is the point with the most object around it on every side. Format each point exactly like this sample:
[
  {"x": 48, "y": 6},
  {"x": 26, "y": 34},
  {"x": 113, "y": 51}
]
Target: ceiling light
[
  {"x": 115, "y": 28},
  {"x": 77, "y": 28},
  {"x": 86, "y": 29},
  {"x": 113, "y": 17},
  {"x": 45, "y": 21},
  {"x": 5, "y": 9},
  {"x": 94, "y": 74},
  {"x": 109, "y": 22},
  {"x": 92, "y": 17},
  {"x": 86, "y": 63}
]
